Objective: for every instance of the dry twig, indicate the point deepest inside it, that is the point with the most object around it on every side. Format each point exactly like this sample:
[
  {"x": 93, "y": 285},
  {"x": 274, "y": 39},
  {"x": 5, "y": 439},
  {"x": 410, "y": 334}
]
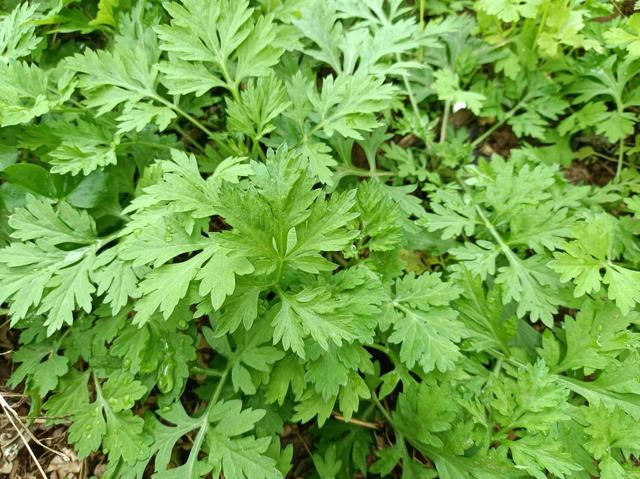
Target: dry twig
[{"x": 18, "y": 425}]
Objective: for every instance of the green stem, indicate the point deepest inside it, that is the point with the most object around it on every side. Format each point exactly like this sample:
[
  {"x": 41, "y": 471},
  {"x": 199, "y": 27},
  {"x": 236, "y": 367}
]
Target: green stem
[
  {"x": 402, "y": 370},
  {"x": 543, "y": 20},
  {"x": 620, "y": 159},
  {"x": 96, "y": 383},
  {"x": 255, "y": 149},
  {"x": 497, "y": 125},
  {"x": 219, "y": 388},
  {"x": 67, "y": 110},
  {"x": 381, "y": 348},
  {"x": 385, "y": 413},
  {"x": 100, "y": 242},
  {"x": 204, "y": 426},
  {"x": 183, "y": 114},
  {"x": 410, "y": 94},
  {"x": 188, "y": 137},
  {"x": 421, "y": 9},
  {"x": 145, "y": 143},
  {"x": 400, "y": 439},
  {"x": 207, "y": 371},
  {"x": 359, "y": 172},
  {"x": 506, "y": 250},
  {"x": 445, "y": 121},
  {"x": 231, "y": 84}
]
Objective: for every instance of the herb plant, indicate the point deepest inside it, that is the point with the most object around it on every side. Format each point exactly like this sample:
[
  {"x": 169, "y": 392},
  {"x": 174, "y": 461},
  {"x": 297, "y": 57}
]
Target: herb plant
[{"x": 325, "y": 238}]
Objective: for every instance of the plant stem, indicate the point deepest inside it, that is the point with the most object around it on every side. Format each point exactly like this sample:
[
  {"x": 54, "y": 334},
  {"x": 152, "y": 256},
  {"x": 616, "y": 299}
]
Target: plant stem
[
  {"x": 421, "y": 22},
  {"x": 445, "y": 121},
  {"x": 255, "y": 149},
  {"x": 231, "y": 84},
  {"x": 145, "y": 143},
  {"x": 497, "y": 125},
  {"x": 219, "y": 387},
  {"x": 183, "y": 114},
  {"x": 357, "y": 422},
  {"x": 345, "y": 171},
  {"x": 67, "y": 110},
  {"x": 543, "y": 20},
  {"x": 207, "y": 371},
  {"x": 204, "y": 425},
  {"x": 407, "y": 86},
  {"x": 402, "y": 370},
  {"x": 620, "y": 159},
  {"x": 188, "y": 137},
  {"x": 385, "y": 413}
]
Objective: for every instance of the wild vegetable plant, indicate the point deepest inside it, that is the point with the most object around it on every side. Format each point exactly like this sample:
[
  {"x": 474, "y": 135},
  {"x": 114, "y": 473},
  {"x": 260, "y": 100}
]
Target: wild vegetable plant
[{"x": 269, "y": 238}]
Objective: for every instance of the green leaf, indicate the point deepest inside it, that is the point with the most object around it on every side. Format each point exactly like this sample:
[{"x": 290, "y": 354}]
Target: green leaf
[
  {"x": 230, "y": 452},
  {"x": 609, "y": 431},
  {"x": 122, "y": 391},
  {"x": 125, "y": 76},
  {"x": 182, "y": 188},
  {"x": 327, "y": 466},
  {"x": 260, "y": 103},
  {"x": 347, "y": 104},
  {"x": 42, "y": 376},
  {"x": 238, "y": 48},
  {"x": 88, "y": 429},
  {"x": 615, "y": 387},
  {"x": 537, "y": 454},
  {"x": 588, "y": 261},
  {"x": 628, "y": 38},
  {"x": 424, "y": 326},
  {"x": 117, "y": 280},
  {"x": 17, "y": 30},
  {"x": 109, "y": 421},
  {"x": 72, "y": 289},
  {"x": 218, "y": 276},
  {"x": 38, "y": 219},
  {"x": 424, "y": 411},
  {"x": 511, "y": 10},
  {"x": 447, "y": 86},
  {"x": 32, "y": 178},
  {"x": 164, "y": 287},
  {"x": 309, "y": 313},
  {"x": 71, "y": 394},
  {"x": 532, "y": 399},
  {"x": 182, "y": 78},
  {"x": 105, "y": 15},
  {"x": 24, "y": 93},
  {"x": 597, "y": 335}
]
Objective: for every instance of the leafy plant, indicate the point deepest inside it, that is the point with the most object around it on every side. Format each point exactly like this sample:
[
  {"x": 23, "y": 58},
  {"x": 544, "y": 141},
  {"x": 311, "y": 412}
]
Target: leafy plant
[{"x": 324, "y": 238}]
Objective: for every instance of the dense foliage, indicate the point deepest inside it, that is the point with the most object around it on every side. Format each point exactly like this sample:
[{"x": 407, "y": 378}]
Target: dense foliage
[{"x": 403, "y": 235}]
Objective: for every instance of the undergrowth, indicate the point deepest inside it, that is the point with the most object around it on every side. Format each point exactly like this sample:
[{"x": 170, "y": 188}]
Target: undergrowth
[{"x": 326, "y": 238}]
